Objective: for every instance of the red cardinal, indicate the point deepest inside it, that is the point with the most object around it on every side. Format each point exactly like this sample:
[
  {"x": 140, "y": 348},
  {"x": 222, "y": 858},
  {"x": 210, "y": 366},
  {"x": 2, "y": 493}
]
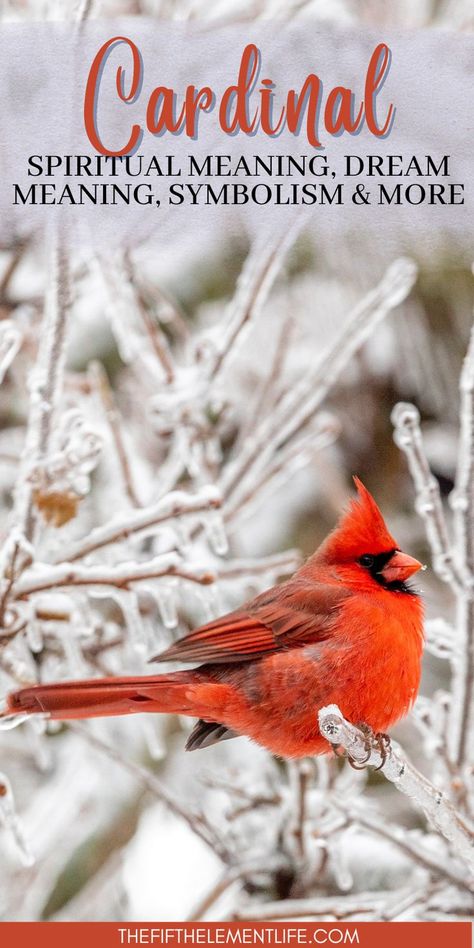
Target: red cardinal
[{"x": 346, "y": 629}]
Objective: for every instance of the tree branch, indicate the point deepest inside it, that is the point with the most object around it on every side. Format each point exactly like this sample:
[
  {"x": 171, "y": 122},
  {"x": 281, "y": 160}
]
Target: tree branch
[{"x": 437, "y": 808}]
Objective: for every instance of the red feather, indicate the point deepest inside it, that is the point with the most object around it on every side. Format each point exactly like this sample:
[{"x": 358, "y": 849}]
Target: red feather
[{"x": 290, "y": 615}]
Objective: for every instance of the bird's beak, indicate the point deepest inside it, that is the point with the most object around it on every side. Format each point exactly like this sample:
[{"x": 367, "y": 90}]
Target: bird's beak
[{"x": 399, "y": 567}]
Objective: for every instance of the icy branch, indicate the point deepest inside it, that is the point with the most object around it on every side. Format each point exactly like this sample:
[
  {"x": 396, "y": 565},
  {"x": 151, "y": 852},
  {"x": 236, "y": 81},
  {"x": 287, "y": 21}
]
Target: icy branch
[
  {"x": 122, "y": 576},
  {"x": 408, "y": 437},
  {"x": 175, "y": 505},
  {"x": 454, "y": 563},
  {"x": 45, "y": 385},
  {"x": 437, "y": 808},
  {"x": 10, "y": 342},
  {"x": 379, "y": 906},
  {"x": 260, "y": 270},
  {"x": 139, "y": 339},
  {"x": 461, "y": 722},
  {"x": 100, "y": 382}
]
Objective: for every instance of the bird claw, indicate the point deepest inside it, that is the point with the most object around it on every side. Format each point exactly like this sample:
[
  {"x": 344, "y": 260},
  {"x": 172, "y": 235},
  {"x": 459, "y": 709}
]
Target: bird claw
[
  {"x": 382, "y": 743},
  {"x": 379, "y": 742}
]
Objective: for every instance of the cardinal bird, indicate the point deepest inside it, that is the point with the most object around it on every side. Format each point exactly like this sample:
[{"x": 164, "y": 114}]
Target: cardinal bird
[{"x": 346, "y": 629}]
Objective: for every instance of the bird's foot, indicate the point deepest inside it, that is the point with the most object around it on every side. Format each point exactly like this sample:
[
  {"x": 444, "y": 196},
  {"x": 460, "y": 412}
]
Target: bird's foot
[
  {"x": 379, "y": 742},
  {"x": 372, "y": 741},
  {"x": 382, "y": 743}
]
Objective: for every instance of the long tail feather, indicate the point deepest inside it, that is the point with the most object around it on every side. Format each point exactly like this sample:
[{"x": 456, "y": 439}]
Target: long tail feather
[{"x": 104, "y": 696}]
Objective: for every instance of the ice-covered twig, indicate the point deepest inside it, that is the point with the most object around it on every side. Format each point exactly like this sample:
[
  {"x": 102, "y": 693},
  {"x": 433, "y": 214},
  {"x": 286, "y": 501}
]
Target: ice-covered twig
[
  {"x": 286, "y": 460},
  {"x": 368, "y": 904},
  {"x": 408, "y": 437},
  {"x": 269, "y": 390},
  {"x": 461, "y": 718},
  {"x": 139, "y": 339},
  {"x": 45, "y": 385},
  {"x": 175, "y": 505},
  {"x": 256, "y": 280},
  {"x": 156, "y": 336},
  {"x": 126, "y": 575},
  {"x": 275, "y": 565},
  {"x": 421, "y": 854},
  {"x": 100, "y": 382},
  {"x": 437, "y": 808},
  {"x": 122, "y": 576},
  {"x": 10, "y": 342},
  {"x": 83, "y": 11}
]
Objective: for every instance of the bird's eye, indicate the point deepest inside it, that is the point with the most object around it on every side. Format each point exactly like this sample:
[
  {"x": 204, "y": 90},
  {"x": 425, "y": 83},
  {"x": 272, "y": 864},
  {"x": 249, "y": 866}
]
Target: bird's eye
[{"x": 367, "y": 560}]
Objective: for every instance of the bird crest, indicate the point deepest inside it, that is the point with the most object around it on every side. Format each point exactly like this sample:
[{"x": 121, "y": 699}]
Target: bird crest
[{"x": 361, "y": 529}]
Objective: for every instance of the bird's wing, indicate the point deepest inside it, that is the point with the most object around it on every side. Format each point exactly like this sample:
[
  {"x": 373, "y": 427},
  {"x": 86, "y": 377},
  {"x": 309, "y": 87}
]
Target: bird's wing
[{"x": 285, "y": 616}]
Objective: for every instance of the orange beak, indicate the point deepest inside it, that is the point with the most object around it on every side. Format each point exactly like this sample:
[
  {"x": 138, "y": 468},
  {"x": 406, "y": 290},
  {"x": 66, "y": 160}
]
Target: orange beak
[{"x": 399, "y": 567}]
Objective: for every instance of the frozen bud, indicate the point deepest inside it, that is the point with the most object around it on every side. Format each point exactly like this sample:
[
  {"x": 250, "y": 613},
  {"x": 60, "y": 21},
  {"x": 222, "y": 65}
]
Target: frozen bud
[
  {"x": 424, "y": 505},
  {"x": 458, "y": 501},
  {"x": 405, "y": 415},
  {"x": 205, "y": 351}
]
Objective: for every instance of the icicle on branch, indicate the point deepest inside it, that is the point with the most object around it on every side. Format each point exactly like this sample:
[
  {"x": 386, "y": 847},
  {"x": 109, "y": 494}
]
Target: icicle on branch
[
  {"x": 417, "y": 850},
  {"x": 437, "y": 808}
]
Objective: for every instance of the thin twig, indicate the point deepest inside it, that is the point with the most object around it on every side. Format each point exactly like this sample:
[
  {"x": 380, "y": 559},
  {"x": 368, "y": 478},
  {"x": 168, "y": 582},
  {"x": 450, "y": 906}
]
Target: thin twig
[
  {"x": 102, "y": 386},
  {"x": 256, "y": 280}
]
